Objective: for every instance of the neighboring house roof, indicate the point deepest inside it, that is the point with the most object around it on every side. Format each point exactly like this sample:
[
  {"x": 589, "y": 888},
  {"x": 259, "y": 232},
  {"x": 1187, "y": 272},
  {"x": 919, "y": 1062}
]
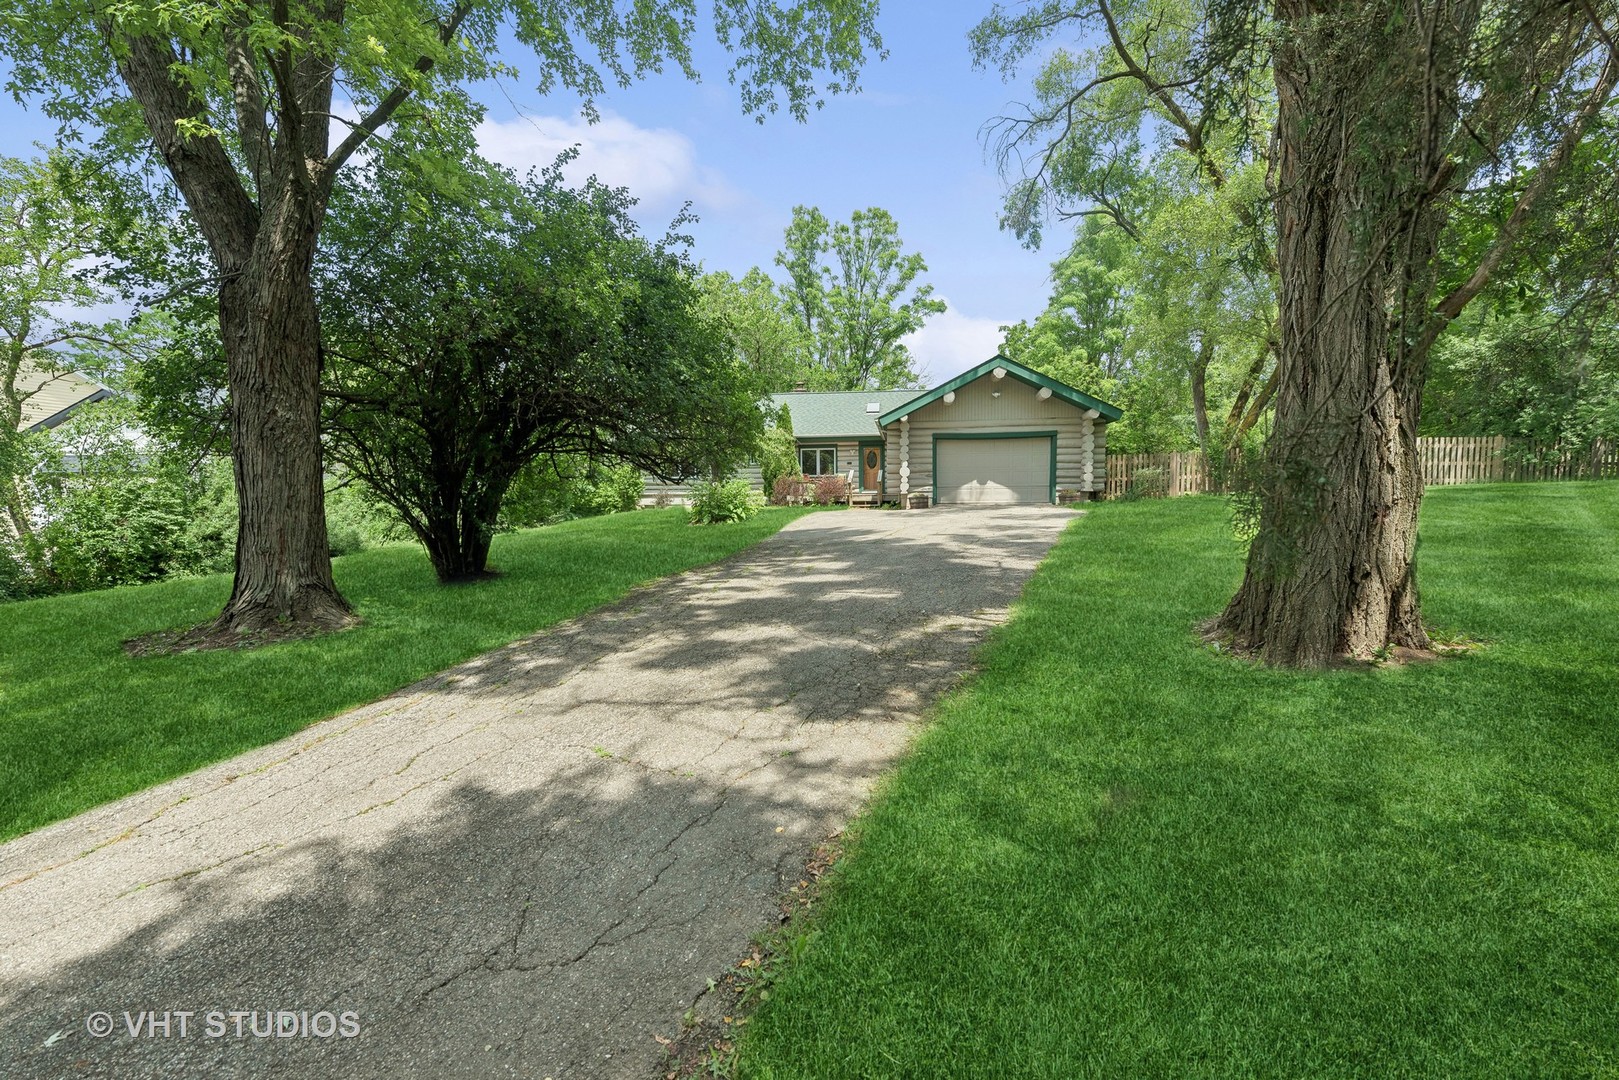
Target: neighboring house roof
[
  {"x": 1033, "y": 378},
  {"x": 839, "y": 413},
  {"x": 52, "y": 396}
]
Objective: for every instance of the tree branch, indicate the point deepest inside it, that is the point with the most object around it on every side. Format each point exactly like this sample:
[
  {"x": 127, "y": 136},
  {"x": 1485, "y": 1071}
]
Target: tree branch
[
  {"x": 202, "y": 169},
  {"x": 396, "y": 97},
  {"x": 1451, "y": 306},
  {"x": 1194, "y": 129},
  {"x": 247, "y": 94}
]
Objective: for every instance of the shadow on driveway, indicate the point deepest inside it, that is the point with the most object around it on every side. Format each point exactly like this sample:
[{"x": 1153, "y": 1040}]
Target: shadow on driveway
[{"x": 528, "y": 865}]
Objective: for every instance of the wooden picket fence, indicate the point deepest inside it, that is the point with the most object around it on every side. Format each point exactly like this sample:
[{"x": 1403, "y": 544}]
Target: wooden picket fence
[{"x": 1468, "y": 460}]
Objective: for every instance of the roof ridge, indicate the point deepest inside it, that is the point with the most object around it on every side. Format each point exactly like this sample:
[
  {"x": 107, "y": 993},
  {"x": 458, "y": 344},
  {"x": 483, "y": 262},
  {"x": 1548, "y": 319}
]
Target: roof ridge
[{"x": 892, "y": 390}]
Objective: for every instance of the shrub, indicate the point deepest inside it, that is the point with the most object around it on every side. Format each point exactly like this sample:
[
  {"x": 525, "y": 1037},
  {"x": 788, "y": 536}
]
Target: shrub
[
  {"x": 116, "y": 528},
  {"x": 554, "y": 489},
  {"x": 1152, "y": 483},
  {"x": 15, "y": 581},
  {"x": 792, "y": 490},
  {"x": 113, "y": 507},
  {"x": 778, "y": 451},
  {"x": 356, "y": 519},
  {"x": 718, "y": 503},
  {"x": 613, "y": 490},
  {"x": 831, "y": 489}
]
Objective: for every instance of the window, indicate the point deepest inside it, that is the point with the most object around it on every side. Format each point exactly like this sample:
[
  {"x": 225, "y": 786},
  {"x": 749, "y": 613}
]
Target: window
[{"x": 817, "y": 460}]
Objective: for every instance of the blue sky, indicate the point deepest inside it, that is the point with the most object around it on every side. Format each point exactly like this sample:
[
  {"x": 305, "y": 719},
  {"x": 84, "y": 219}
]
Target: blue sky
[{"x": 909, "y": 142}]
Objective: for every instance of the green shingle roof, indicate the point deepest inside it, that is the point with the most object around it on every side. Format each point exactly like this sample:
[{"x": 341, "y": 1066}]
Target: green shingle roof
[{"x": 832, "y": 414}]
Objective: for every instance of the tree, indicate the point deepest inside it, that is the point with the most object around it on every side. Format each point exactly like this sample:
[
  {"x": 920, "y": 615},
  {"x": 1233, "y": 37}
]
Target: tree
[
  {"x": 1387, "y": 115},
  {"x": 1164, "y": 320},
  {"x": 236, "y": 99},
  {"x": 1522, "y": 368},
  {"x": 762, "y": 329},
  {"x": 493, "y": 324},
  {"x": 846, "y": 287},
  {"x": 54, "y": 215},
  {"x": 778, "y": 451}
]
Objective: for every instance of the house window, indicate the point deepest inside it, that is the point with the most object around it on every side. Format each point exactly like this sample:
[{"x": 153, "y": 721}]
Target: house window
[{"x": 817, "y": 460}]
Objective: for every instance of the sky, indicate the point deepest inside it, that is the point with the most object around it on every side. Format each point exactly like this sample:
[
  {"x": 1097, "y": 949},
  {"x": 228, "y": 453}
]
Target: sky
[{"x": 909, "y": 142}]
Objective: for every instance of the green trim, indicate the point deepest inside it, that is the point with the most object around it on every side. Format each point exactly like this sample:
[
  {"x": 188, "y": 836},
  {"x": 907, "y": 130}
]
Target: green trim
[
  {"x": 882, "y": 462},
  {"x": 1033, "y": 378},
  {"x": 960, "y": 435}
]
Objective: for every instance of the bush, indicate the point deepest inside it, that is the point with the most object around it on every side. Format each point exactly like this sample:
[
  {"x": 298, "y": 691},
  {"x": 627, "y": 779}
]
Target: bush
[
  {"x": 792, "y": 490},
  {"x": 117, "y": 528},
  {"x": 778, "y": 451},
  {"x": 550, "y": 490},
  {"x": 1152, "y": 483},
  {"x": 112, "y": 507},
  {"x": 356, "y": 519},
  {"x": 831, "y": 489},
  {"x": 15, "y": 581},
  {"x": 613, "y": 490},
  {"x": 727, "y": 501}
]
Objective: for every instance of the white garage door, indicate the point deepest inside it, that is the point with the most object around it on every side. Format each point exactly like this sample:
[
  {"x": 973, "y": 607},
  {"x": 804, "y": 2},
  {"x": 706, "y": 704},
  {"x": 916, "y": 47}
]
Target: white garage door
[{"x": 994, "y": 470}]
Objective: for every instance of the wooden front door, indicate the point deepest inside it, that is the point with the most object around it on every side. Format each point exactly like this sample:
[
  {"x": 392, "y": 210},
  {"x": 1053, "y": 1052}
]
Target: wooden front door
[{"x": 871, "y": 462}]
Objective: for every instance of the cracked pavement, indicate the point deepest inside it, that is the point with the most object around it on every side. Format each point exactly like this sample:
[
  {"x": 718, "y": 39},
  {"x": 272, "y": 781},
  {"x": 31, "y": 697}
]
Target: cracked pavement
[{"x": 527, "y": 865}]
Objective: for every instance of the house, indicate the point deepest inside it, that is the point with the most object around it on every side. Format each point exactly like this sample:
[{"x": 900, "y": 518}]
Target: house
[
  {"x": 50, "y": 397},
  {"x": 996, "y": 433}
]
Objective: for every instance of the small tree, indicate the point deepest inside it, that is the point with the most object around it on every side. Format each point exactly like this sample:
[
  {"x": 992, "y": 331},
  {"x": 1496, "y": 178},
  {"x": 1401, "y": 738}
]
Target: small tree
[
  {"x": 54, "y": 215},
  {"x": 494, "y": 323},
  {"x": 778, "y": 450}
]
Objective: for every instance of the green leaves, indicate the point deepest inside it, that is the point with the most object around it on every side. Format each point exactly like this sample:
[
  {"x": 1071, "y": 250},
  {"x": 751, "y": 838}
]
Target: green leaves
[
  {"x": 847, "y": 289},
  {"x": 476, "y": 325}
]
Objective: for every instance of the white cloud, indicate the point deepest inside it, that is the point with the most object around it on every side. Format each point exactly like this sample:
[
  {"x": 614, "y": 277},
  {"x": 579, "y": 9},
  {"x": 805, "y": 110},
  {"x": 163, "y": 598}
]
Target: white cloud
[
  {"x": 658, "y": 165},
  {"x": 950, "y": 343}
]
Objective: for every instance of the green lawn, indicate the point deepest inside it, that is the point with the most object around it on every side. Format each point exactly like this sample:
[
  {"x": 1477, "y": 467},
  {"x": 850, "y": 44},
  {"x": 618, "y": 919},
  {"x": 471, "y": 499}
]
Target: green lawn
[
  {"x": 1117, "y": 854},
  {"x": 81, "y": 723}
]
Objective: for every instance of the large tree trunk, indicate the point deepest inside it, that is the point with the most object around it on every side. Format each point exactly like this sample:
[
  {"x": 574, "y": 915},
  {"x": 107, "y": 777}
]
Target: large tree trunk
[
  {"x": 1331, "y": 572},
  {"x": 271, "y": 329},
  {"x": 263, "y": 245}
]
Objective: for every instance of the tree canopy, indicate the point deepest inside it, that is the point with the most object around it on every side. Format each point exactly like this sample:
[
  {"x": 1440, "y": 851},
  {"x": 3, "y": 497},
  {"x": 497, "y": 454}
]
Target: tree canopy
[
  {"x": 850, "y": 290},
  {"x": 473, "y": 329},
  {"x": 237, "y": 101},
  {"x": 1409, "y": 154}
]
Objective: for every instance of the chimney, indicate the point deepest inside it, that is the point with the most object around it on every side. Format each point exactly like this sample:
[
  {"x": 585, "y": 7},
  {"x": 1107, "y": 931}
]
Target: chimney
[{"x": 800, "y": 388}]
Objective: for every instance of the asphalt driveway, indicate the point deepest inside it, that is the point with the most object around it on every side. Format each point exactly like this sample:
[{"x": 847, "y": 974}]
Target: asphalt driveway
[{"x": 526, "y": 866}]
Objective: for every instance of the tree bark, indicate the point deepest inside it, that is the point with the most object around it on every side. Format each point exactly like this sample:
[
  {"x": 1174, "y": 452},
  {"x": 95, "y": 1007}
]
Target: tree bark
[
  {"x": 1331, "y": 572},
  {"x": 458, "y": 552},
  {"x": 264, "y": 250},
  {"x": 271, "y": 329},
  {"x": 1200, "y": 394}
]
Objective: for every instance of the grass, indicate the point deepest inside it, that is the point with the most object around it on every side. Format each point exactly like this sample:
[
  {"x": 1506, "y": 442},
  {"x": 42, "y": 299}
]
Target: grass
[
  {"x": 82, "y": 723},
  {"x": 1119, "y": 854}
]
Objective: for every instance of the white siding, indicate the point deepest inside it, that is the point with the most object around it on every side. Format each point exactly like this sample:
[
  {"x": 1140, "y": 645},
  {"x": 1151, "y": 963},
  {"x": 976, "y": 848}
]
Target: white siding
[
  {"x": 977, "y": 410},
  {"x": 50, "y": 392}
]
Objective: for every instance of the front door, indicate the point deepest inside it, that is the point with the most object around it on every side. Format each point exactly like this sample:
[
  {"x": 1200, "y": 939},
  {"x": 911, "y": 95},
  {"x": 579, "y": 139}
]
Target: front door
[{"x": 871, "y": 460}]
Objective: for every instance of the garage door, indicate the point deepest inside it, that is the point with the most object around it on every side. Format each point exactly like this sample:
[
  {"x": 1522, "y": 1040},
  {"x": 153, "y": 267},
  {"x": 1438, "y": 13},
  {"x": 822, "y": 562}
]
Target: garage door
[{"x": 994, "y": 470}]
